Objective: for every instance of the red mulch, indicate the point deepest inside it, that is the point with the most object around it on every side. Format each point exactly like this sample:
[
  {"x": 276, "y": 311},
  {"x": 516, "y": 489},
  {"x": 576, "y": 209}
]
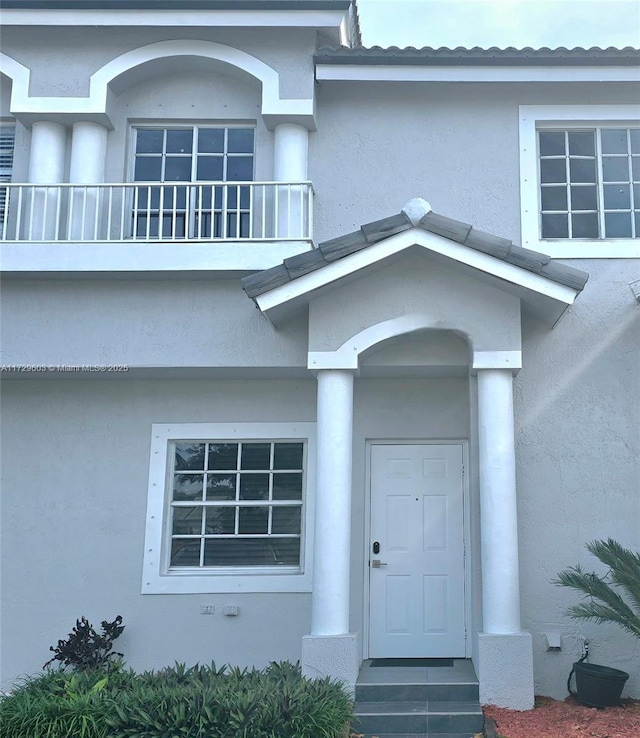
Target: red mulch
[{"x": 568, "y": 719}]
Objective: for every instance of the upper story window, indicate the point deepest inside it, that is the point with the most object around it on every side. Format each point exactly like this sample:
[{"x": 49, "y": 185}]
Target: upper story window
[
  {"x": 7, "y": 141},
  {"x": 230, "y": 508},
  {"x": 194, "y": 154},
  {"x": 590, "y": 183},
  {"x": 580, "y": 180}
]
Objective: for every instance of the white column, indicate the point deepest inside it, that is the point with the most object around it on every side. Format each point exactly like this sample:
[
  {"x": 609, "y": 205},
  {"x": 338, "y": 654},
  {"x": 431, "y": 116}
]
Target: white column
[
  {"x": 332, "y": 554},
  {"x": 48, "y": 145},
  {"x": 498, "y": 513},
  {"x": 88, "y": 153},
  {"x": 46, "y": 167},
  {"x": 290, "y": 159},
  {"x": 88, "y": 156}
]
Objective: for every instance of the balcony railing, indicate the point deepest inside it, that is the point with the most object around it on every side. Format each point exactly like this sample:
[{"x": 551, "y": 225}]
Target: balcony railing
[{"x": 148, "y": 211}]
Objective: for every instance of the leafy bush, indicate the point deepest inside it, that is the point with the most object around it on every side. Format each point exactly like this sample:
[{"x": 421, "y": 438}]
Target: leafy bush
[
  {"x": 606, "y": 604},
  {"x": 87, "y": 650},
  {"x": 195, "y": 702}
]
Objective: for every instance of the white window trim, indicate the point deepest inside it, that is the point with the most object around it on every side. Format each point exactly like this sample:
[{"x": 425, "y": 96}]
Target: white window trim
[
  {"x": 533, "y": 118},
  {"x": 155, "y": 576}
]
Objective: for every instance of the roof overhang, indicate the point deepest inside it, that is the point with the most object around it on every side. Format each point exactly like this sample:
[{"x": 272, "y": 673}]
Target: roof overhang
[
  {"x": 313, "y": 14},
  {"x": 474, "y": 73},
  {"x": 539, "y": 295}
]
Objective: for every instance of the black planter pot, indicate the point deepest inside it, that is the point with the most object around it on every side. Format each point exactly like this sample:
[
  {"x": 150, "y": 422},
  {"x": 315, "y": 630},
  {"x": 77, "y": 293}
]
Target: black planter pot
[{"x": 597, "y": 686}]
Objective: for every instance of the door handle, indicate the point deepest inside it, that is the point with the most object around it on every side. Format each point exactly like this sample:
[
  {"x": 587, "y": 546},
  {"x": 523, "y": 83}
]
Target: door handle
[{"x": 376, "y": 563}]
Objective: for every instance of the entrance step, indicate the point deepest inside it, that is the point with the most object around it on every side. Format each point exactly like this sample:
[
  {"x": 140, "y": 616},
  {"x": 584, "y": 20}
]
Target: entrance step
[{"x": 417, "y": 702}]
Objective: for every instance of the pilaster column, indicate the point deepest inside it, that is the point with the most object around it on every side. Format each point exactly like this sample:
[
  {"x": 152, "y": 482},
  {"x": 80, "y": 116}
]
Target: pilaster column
[
  {"x": 46, "y": 167},
  {"x": 290, "y": 159},
  {"x": 88, "y": 156},
  {"x": 332, "y": 555},
  {"x": 498, "y": 513}
]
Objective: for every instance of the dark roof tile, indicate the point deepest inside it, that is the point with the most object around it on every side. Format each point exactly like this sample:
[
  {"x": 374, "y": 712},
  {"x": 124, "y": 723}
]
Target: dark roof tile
[
  {"x": 385, "y": 227},
  {"x": 447, "y": 227},
  {"x": 371, "y": 233},
  {"x": 429, "y": 56}
]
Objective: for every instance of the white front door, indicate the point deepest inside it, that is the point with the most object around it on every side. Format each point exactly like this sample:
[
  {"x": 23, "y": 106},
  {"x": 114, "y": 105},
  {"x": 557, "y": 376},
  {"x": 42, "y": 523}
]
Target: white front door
[{"x": 416, "y": 556}]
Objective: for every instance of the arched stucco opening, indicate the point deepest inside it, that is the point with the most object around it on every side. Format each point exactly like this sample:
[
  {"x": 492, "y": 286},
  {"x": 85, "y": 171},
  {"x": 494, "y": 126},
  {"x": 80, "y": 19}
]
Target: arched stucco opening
[
  {"x": 426, "y": 352},
  {"x": 169, "y": 57}
]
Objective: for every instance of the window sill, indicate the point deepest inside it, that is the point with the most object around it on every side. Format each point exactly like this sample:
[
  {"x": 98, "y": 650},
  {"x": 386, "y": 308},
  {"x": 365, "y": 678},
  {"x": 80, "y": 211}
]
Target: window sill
[
  {"x": 209, "y": 583},
  {"x": 586, "y": 249}
]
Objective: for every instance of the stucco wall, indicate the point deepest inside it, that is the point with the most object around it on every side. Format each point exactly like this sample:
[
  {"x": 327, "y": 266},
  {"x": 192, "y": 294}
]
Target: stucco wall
[
  {"x": 183, "y": 323},
  {"x": 288, "y": 51},
  {"x": 416, "y": 284},
  {"x": 74, "y": 497},
  {"x": 578, "y": 435},
  {"x": 455, "y": 145}
]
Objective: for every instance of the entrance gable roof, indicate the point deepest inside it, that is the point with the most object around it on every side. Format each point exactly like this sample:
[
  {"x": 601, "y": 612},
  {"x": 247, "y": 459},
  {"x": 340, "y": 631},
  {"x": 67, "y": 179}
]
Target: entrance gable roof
[{"x": 299, "y": 276}]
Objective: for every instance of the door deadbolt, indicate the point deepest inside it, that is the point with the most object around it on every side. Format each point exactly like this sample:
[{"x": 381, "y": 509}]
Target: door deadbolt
[{"x": 376, "y": 547}]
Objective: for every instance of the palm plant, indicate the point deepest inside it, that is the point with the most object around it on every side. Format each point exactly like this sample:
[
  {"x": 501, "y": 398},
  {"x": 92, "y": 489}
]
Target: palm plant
[{"x": 606, "y": 604}]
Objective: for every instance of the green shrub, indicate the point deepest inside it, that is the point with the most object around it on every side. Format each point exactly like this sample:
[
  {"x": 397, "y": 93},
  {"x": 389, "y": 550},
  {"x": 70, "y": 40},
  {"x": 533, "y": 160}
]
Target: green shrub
[
  {"x": 605, "y": 603},
  {"x": 178, "y": 702}
]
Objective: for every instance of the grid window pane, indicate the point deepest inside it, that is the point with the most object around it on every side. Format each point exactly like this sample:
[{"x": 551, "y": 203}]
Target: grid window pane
[
  {"x": 220, "y": 521},
  {"x": 614, "y": 141},
  {"x": 221, "y": 486},
  {"x": 287, "y": 456},
  {"x": 617, "y": 197},
  {"x": 189, "y": 456},
  {"x": 210, "y": 168},
  {"x": 177, "y": 169},
  {"x": 223, "y": 456},
  {"x": 287, "y": 486},
  {"x": 187, "y": 487},
  {"x": 553, "y": 170},
  {"x": 239, "y": 169},
  {"x": 582, "y": 170},
  {"x": 552, "y": 143},
  {"x": 211, "y": 140},
  {"x": 584, "y": 225},
  {"x": 554, "y": 198},
  {"x": 240, "y": 141},
  {"x": 617, "y": 225},
  {"x": 248, "y": 514},
  {"x": 582, "y": 144},
  {"x": 555, "y": 226},
  {"x": 584, "y": 198},
  {"x": 615, "y": 169},
  {"x": 187, "y": 521},
  {"x": 286, "y": 520},
  {"x": 185, "y": 552},
  {"x": 149, "y": 141},
  {"x": 254, "y": 486},
  {"x": 255, "y": 456},
  {"x": 148, "y": 169},
  {"x": 603, "y": 176},
  {"x": 253, "y": 520},
  {"x": 179, "y": 142}
]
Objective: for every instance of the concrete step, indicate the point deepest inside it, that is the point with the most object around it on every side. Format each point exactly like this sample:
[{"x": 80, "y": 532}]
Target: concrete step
[
  {"x": 418, "y": 717},
  {"x": 417, "y": 701}
]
